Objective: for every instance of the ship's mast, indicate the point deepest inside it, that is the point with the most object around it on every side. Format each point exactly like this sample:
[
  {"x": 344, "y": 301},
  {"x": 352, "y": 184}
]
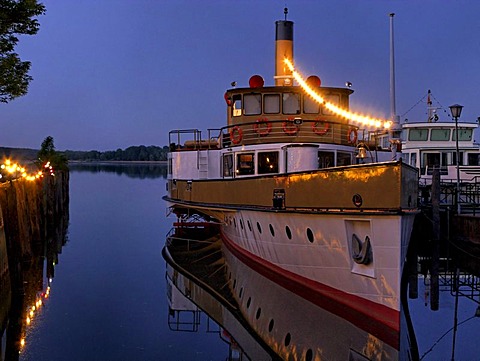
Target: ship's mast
[{"x": 396, "y": 128}]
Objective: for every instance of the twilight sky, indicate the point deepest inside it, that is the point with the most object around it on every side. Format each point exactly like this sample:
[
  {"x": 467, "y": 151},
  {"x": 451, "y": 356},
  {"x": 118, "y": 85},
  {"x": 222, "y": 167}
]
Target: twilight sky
[{"x": 114, "y": 73}]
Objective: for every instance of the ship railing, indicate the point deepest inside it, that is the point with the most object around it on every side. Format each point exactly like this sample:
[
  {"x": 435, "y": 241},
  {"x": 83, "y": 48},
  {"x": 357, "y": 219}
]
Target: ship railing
[
  {"x": 191, "y": 139},
  {"x": 468, "y": 196},
  {"x": 301, "y": 131}
]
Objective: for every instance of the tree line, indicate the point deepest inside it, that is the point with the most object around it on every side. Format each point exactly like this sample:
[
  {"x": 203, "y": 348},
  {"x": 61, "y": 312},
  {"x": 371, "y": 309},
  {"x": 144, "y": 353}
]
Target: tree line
[{"x": 133, "y": 153}]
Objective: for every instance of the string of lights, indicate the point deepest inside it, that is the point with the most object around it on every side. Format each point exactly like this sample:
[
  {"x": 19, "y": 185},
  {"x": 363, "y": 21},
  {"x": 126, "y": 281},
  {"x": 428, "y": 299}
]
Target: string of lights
[
  {"x": 355, "y": 117},
  {"x": 15, "y": 171}
]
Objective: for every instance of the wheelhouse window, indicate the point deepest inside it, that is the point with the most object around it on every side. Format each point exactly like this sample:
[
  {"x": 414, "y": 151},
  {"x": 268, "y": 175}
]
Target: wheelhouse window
[
  {"x": 463, "y": 134},
  {"x": 331, "y": 98},
  {"x": 291, "y": 103},
  {"x": 228, "y": 165},
  {"x": 310, "y": 106},
  {"x": 271, "y": 103},
  {"x": 418, "y": 134},
  {"x": 252, "y": 104},
  {"x": 267, "y": 162},
  {"x": 326, "y": 159},
  {"x": 344, "y": 159},
  {"x": 237, "y": 105},
  {"x": 245, "y": 164},
  {"x": 440, "y": 134}
]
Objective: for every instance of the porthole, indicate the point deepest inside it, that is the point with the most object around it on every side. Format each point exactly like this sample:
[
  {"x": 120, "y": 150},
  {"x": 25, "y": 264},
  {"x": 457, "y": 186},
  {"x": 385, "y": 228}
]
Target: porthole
[
  {"x": 270, "y": 325},
  {"x": 272, "y": 231},
  {"x": 235, "y": 223},
  {"x": 234, "y": 283},
  {"x": 288, "y": 338},
  {"x": 288, "y": 232},
  {"x": 310, "y": 235},
  {"x": 240, "y": 293},
  {"x": 249, "y": 301},
  {"x": 259, "y": 312},
  {"x": 241, "y": 224},
  {"x": 259, "y": 227},
  {"x": 309, "y": 355},
  {"x": 249, "y": 226}
]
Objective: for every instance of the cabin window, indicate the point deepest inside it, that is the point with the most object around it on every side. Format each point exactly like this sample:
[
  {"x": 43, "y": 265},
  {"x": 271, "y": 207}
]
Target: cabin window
[
  {"x": 310, "y": 106},
  {"x": 267, "y": 162},
  {"x": 252, "y": 104},
  {"x": 228, "y": 165},
  {"x": 454, "y": 158},
  {"x": 326, "y": 159},
  {"x": 463, "y": 134},
  {"x": 344, "y": 159},
  {"x": 237, "y": 105},
  {"x": 413, "y": 159},
  {"x": 418, "y": 134},
  {"x": 332, "y": 98},
  {"x": 473, "y": 159},
  {"x": 431, "y": 160},
  {"x": 291, "y": 103},
  {"x": 245, "y": 164},
  {"x": 271, "y": 103},
  {"x": 440, "y": 134}
]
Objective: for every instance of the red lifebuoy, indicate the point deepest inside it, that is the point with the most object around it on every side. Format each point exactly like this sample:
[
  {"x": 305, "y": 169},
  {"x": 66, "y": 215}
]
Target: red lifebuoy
[
  {"x": 350, "y": 139},
  {"x": 290, "y": 128},
  {"x": 236, "y": 134},
  {"x": 228, "y": 99},
  {"x": 320, "y": 131},
  {"x": 262, "y": 126}
]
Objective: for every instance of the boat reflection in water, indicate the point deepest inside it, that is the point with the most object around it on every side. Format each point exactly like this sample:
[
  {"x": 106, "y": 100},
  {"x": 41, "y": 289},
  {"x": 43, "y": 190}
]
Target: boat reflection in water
[{"x": 267, "y": 321}]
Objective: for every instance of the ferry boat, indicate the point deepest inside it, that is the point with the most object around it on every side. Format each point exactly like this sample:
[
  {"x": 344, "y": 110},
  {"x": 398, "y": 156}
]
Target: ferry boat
[
  {"x": 297, "y": 197},
  {"x": 432, "y": 143}
]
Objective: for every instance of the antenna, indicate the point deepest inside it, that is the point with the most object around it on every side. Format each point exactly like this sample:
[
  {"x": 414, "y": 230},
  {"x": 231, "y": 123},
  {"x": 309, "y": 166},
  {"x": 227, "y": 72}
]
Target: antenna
[{"x": 285, "y": 11}]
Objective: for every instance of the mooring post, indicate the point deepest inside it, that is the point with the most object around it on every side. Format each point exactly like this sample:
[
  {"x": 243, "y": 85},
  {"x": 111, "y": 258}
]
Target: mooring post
[{"x": 434, "y": 293}]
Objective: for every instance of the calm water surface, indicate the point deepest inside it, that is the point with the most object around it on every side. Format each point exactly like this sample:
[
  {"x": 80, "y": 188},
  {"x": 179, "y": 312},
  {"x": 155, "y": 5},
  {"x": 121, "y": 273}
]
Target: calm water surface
[{"x": 108, "y": 298}]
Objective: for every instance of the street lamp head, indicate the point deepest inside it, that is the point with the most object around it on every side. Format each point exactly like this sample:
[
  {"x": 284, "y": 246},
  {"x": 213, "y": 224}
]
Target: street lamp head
[{"x": 456, "y": 110}]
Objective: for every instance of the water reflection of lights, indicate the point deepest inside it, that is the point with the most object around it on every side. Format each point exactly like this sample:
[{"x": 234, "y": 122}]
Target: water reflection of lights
[{"x": 32, "y": 311}]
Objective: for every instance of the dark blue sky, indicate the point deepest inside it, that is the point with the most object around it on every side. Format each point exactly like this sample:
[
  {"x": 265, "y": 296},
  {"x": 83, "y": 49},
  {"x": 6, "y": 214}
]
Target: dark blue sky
[{"x": 113, "y": 73}]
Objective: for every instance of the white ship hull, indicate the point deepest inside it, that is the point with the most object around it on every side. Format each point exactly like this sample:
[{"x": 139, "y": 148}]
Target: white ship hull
[{"x": 321, "y": 269}]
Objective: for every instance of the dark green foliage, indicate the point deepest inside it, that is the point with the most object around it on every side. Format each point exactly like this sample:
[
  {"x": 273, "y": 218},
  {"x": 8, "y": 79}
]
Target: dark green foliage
[
  {"x": 133, "y": 153},
  {"x": 47, "y": 153},
  {"x": 17, "y": 17}
]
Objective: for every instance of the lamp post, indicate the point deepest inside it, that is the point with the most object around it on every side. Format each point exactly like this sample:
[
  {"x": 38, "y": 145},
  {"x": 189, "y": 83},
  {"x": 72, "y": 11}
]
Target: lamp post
[{"x": 456, "y": 110}]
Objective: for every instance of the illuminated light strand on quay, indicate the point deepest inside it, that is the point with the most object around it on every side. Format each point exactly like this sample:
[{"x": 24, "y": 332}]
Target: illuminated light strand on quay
[
  {"x": 16, "y": 171},
  {"x": 358, "y": 118}
]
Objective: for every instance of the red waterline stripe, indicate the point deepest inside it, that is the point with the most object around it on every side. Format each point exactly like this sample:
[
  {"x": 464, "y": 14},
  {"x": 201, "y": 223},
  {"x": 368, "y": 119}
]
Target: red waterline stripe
[{"x": 378, "y": 320}]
